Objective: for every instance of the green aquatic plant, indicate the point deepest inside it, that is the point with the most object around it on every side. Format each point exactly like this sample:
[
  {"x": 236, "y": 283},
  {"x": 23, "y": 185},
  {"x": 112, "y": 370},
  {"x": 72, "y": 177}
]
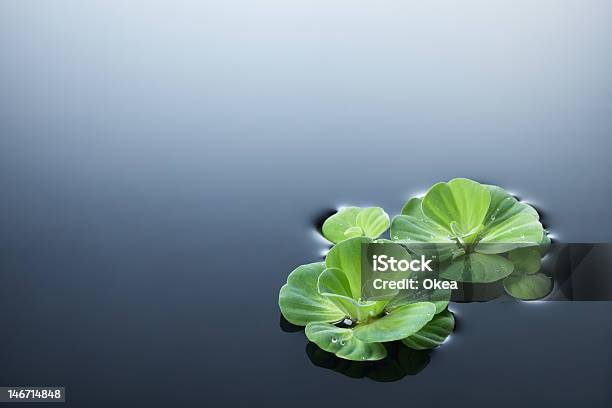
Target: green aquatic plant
[
  {"x": 326, "y": 298},
  {"x": 474, "y": 225},
  {"x": 526, "y": 281},
  {"x": 433, "y": 334},
  {"x": 352, "y": 222},
  {"x": 480, "y": 234}
]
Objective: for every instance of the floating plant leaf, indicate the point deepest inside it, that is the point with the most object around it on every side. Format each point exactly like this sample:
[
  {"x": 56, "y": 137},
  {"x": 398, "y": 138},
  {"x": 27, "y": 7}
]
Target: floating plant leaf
[
  {"x": 520, "y": 230},
  {"x": 475, "y": 267},
  {"x": 413, "y": 208},
  {"x": 478, "y": 218},
  {"x": 333, "y": 281},
  {"x": 504, "y": 205},
  {"x": 343, "y": 343},
  {"x": 459, "y": 206},
  {"x": 408, "y": 228},
  {"x": 525, "y": 260},
  {"x": 401, "y": 322},
  {"x": 346, "y": 256},
  {"x": 528, "y": 287},
  {"x": 433, "y": 333},
  {"x": 525, "y": 282},
  {"x": 425, "y": 231},
  {"x": 300, "y": 301},
  {"x": 334, "y": 285},
  {"x": 509, "y": 224},
  {"x": 353, "y": 222},
  {"x": 414, "y": 228}
]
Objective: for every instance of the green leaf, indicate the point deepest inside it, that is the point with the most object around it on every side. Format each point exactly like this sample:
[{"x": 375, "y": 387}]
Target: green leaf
[
  {"x": 407, "y": 297},
  {"x": 353, "y": 222},
  {"x": 421, "y": 229},
  {"x": 401, "y": 322},
  {"x": 373, "y": 221},
  {"x": 433, "y": 334},
  {"x": 413, "y": 208},
  {"x": 461, "y": 202},
  {"x": 528, "y": 287},
  {"x": 509, "y": 224},
  {"x": 334, "y": 281},
  {"x": 300, "y": 301},
  {"x": 346, "y": 256},
  {"x": 472, "y": 213},
  {"x": 504, "y": 205},
  {"x": 520, "y": 230},
  {"x": 477, "y": 268},
  {"x": 334, "y": 285},
  {"x": 343, "y": 343},
  {"x": 525, "y": 260},
  {"x": 409, "y": 229}
]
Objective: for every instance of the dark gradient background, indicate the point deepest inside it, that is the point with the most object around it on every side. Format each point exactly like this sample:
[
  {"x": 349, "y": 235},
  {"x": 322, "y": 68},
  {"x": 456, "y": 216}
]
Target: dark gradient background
[{"x": 162, "y": 166}]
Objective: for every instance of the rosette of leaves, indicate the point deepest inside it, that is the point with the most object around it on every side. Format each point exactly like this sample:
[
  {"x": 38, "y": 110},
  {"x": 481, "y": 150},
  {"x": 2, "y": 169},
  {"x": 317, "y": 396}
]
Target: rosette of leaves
[
  {"x": 473, "y": 225},
  {"x": 351, "y": 222},
  {"x": 526, "y": 281},
  {"x": 326, "y": 298}
]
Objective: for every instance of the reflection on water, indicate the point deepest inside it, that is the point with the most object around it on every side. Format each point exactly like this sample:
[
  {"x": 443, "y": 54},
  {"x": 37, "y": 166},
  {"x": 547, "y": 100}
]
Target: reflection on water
[
  {"x": 320, "y": 218},
  {"x": 288, "y": 327},
  {"x": 400, "y": 362}
]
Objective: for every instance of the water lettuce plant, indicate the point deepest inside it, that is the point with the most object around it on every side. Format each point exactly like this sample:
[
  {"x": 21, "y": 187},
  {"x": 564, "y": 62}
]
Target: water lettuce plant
[
  {"x": 526, "y": 281},
  {"x": 326, "y": 298},
  {"x": 474, "y": 223},
  {"x": 352, "y": 222},
  {"x": 481, "y": 234}
]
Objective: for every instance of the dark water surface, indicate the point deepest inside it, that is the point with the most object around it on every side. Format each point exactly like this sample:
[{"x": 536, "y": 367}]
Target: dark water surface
[{"x": 162, "y": 166}]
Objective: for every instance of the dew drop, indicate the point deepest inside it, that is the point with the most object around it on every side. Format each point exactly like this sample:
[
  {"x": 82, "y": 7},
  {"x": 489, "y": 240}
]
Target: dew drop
[
  {"x": 348, "y": 322},
  {"x": 342, "y": 343},
  {"x": 395, "y": 237},
  {"x": 334, "y": 340}
]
